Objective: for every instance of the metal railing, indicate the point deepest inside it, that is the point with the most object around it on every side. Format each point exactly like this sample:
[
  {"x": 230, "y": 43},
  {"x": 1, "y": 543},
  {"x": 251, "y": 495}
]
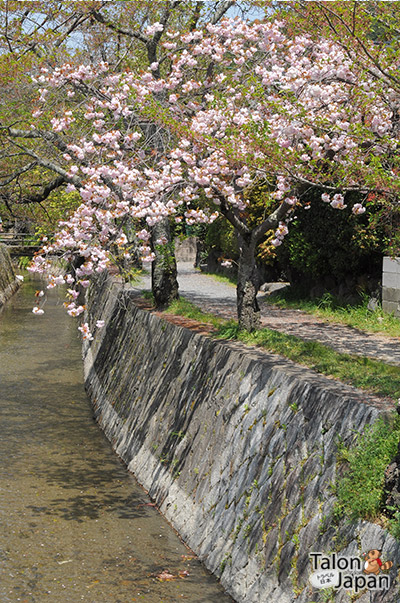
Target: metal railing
[{"x": 26, "y": 239}]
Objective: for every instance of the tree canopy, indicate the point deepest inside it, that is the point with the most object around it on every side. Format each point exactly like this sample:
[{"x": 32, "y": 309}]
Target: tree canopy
[{"x": 221, "y": 108}]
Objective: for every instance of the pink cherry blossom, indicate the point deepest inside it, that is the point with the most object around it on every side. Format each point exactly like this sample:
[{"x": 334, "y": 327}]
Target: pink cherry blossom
[
  {"x": 86, "y": 334},
  {"x": 358, "y": 209},
  {"x": 288, "y": 110}
]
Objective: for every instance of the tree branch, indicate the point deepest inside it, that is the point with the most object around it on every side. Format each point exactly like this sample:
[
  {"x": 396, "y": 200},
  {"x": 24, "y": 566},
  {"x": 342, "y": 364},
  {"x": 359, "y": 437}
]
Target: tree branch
[
  {"x": 45, "y": 192},
  {"x": 50, "y": 165},
  {"x": 125, "y": 32},
  {"x": 272, "y": 221},
  {"x": 78, "y": 21},
  {"x": 221, "y": 10},
  {"x": 196, "y": 16},
  {"x": 152, "y": 44},
  {"x": 51, "y": 137},
  {"x": 18, "y": 173},
  {"x": 325, "y": 9},
  {"x": 231, "y": 215}
]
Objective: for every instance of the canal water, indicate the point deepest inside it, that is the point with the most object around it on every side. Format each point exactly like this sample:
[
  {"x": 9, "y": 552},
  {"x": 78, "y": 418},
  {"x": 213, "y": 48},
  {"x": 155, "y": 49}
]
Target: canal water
[{"x": 74, "y": 524}]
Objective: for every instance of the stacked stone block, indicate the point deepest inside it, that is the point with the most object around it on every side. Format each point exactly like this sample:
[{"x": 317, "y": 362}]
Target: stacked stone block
[{"x": 391, "y": 285}]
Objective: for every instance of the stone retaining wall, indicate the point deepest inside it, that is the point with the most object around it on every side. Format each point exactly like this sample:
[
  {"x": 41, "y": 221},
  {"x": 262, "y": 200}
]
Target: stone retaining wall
[
  {"x": 8, "y": 283},
  {"x": 237, "y": 447}
]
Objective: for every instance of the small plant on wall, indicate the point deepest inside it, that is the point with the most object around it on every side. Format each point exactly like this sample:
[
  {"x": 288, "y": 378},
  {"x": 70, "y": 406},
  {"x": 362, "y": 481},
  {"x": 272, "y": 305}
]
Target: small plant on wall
[{"x": 360, "y": 490}]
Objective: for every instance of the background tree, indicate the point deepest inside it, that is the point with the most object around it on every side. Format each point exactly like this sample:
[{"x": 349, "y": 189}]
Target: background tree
[{"x": 32, "y": 35}]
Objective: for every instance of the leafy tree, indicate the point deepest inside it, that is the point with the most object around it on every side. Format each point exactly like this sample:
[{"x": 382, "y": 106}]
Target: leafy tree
[
  {"x": 244, "y": 102},
  {"x": 32, "y": 35},
  {"x": 228, "y": 106}
]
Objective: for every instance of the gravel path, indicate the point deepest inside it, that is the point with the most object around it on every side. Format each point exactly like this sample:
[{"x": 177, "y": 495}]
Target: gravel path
[{"x": 220, "y": 298}]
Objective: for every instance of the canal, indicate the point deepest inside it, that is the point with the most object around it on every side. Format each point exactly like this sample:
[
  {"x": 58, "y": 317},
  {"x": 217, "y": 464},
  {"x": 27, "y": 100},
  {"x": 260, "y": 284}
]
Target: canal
[{"x": 74, "y": 524}]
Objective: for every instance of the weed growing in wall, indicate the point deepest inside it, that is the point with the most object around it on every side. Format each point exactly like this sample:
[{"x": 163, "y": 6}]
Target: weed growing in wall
[{"x": 360, "y": 490}]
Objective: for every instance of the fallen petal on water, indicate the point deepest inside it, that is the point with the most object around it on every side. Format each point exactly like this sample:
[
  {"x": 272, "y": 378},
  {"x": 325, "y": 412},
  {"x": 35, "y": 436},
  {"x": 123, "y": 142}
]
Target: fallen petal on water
[{"x": 165, "y": 576}]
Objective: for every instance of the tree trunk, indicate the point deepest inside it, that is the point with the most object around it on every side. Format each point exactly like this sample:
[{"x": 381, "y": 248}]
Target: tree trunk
[
  {"x": 164, "y": 282},
  {"x": 247, "y": 287}
]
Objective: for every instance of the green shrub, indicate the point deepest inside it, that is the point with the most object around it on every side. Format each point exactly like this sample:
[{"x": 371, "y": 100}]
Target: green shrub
[
  {"x": 221, "y": 236},
  {"x": 324, "y": 243}
]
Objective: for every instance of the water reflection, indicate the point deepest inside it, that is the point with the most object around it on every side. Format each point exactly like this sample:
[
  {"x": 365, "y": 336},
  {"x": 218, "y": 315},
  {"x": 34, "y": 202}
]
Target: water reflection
[{"x": 74, "y": 525}]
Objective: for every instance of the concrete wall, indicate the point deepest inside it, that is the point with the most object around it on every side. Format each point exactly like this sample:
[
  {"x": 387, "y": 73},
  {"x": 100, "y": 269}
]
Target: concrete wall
[
  {"x": 8, "y": 283},
  {"x": 391, "y": 285},
  {"x": 237, "y": 447}
]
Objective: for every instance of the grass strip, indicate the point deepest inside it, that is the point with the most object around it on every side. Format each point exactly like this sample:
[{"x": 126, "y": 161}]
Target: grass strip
[
  {"x": 360, "y": 490},
  {"x": 330, "y": 309},
  {"x": 222, "y": 278},
  {"x": 361, "y": 372},
  {"x": 184, "y": 307}
]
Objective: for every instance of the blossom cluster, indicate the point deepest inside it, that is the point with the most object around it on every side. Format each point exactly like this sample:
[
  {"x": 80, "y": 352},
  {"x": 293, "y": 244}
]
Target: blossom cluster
[{"x": 188, "y": 142}]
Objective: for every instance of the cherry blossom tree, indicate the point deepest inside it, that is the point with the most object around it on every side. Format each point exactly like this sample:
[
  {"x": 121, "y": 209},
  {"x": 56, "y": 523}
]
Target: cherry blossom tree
[
  {"x": 48, "y": 32},
  {"x": 183, "y": 16},
  {"x": 238, "y": 103}
]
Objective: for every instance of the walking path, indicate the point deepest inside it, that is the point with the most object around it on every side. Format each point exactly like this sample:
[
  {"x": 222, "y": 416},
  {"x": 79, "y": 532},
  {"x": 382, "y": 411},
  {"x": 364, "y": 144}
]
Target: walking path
[{"x": 220, "y": 299}]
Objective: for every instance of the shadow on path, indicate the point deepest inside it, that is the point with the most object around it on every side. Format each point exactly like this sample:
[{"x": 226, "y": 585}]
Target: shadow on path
[{"x": 220, "y": 298}]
